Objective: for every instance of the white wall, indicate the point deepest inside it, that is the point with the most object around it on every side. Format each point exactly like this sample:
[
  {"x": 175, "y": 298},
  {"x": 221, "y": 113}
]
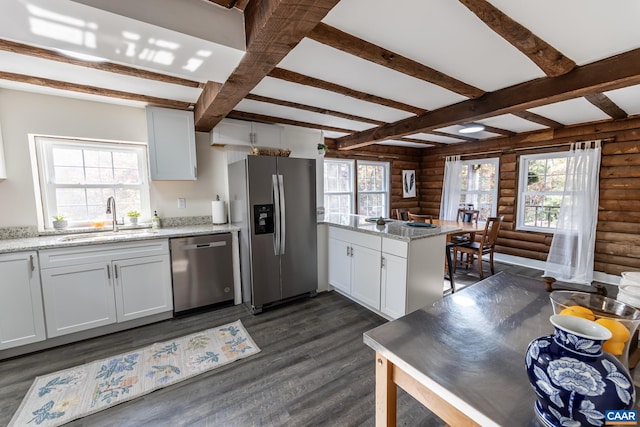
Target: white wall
[{"x": 23, "y": 113}]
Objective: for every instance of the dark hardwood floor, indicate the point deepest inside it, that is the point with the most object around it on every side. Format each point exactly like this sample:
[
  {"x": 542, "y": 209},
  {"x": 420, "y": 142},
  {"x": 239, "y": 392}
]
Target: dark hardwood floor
[{"x": 313, "y": 370}]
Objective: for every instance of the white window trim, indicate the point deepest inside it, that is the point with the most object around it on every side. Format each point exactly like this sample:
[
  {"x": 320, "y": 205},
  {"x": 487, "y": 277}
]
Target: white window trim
[
  {"x": 494, "y": 192},
  {"x": 42, "y": 177},
  {"x": 386, "y": 192},
  {"x": 351, "y": 192},
  {"x": 523, "y": 177}
]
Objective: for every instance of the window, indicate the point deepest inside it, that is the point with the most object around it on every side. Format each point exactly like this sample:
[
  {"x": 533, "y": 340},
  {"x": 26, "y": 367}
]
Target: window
[
  {"x": 368, "y": 185},
  {"x": 478, "y": 180},
  {"x": 338, "y": 186},
  {"x": 541, "y": 184},
  {"x": 76, "y": 177}
]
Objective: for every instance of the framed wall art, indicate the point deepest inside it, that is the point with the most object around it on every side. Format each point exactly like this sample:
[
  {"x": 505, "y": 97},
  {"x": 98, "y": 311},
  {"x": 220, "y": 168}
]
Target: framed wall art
[{"x": 408, "y": 183}]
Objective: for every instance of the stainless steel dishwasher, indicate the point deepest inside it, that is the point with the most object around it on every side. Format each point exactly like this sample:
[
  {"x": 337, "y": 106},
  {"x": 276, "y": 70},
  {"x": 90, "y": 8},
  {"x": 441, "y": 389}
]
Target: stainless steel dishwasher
[{"x": 202, "y": 270}]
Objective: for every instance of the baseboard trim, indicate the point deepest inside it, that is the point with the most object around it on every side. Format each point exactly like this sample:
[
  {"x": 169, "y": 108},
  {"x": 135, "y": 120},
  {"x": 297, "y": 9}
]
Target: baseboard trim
[{"x": 598, "y": 276}]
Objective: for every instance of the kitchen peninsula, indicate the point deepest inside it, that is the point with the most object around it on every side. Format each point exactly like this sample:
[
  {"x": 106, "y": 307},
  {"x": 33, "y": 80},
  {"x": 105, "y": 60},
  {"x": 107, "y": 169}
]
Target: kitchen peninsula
[{"x": 392, "y": 269}]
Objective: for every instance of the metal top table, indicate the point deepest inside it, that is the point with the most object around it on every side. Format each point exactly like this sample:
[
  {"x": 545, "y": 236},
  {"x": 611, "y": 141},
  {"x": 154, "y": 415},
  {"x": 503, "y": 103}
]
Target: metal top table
[{"x": 463, "y": 358}]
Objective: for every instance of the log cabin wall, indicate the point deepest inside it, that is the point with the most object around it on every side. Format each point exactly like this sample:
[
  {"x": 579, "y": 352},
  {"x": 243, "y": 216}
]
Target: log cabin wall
[
  {"x": 618, "y": 231},
  {"x": 401, "y": 158}
]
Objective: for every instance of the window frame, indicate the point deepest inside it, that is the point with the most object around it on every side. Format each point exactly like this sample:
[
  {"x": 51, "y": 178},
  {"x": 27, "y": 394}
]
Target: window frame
[
  {"x": 523, "y": 177},
  {"x": 42, "y": 146},
  {"x": 385, "y": 192},
  {"x": 354, "y": 193},
  {"x": 494, "y": 192},
  {"x": 351, "y": 192}
]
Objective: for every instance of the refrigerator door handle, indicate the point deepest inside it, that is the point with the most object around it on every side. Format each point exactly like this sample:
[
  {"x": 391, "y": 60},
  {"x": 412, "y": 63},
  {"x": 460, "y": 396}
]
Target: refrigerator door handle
[
  {"x": 276, "y": 214},
  {"x": 283, "y": 221}
]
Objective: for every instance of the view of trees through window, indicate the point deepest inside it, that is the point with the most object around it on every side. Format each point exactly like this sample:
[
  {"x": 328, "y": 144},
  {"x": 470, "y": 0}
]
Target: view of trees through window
[
  {"x": 372, "y": 189},
  {"x": 478, "y": 185},
  {"x": 544, "y": 184},
  {"x": 77, "y": 178},
  {"x": 344, "y": 180}
]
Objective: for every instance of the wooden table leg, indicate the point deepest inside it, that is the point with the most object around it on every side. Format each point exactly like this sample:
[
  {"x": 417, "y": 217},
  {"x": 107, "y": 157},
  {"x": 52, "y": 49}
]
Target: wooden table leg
[{"x": 386, "y": 393}]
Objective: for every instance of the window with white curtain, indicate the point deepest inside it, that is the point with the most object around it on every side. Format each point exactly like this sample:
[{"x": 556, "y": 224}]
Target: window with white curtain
[
  {"x": 352, "y": 186},
  {"x": 76, "y": 177},
  {"x": 541, "y": 183},
  {"x": 478, "y": 181}
]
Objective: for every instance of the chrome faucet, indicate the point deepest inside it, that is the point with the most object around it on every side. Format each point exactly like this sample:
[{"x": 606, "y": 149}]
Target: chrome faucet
[{"x": 111, "y": 209}]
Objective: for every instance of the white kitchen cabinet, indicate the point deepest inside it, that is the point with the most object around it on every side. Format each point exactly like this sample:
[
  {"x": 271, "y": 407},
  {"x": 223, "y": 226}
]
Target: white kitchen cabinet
[
  {"x": 91, "y": 286},
  {"x": 390, "y": 276},
  {"x": 78, "y": 297},
  {"x": 249, "y": 134},
  {"x": 354, "y": 265},
  {"x": 21, "y": 314},
  {"x": 172, "y": 144},
  {"x": 142, "y": 286},
  {"x": 393, "y": 286},
  {"x": 365, "y": 275},
  {"x": 340, "y": 265}
]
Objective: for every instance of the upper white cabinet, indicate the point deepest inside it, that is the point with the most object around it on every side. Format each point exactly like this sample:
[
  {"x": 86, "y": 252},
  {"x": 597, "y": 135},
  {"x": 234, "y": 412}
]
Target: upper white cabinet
[
  {"x": 249, "y": 134},
  {"x": 21, "y": 314},
  {"x": 172, "y": 144}
]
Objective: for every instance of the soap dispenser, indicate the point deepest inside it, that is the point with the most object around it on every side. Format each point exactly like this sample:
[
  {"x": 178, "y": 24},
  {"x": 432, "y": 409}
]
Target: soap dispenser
[{"x": 155, "y": 221}]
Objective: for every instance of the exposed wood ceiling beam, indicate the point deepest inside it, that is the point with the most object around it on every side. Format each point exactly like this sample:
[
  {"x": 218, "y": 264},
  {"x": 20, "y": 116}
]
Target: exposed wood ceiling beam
[
  {"x": 499, "y": 131},
  {"x": 273, "y": 28},
  {"x": 545, "y": 56},
  {"x": 542, "y": 138},
  {"x": 225, "y": 3},
  {"x": 605, "y": 104},
  {"x": 345, "y": 42},
  {"x": 242, "y": 115},
  {"x": 313, "y": 109},
  {"x": 57, "y": 84},
  {"x": 293, "y": 77},
  {"x": 111, "y": 67},
  {"x": 536, "y": 118},
  {"x": 608, "y": 74},
  {"x": 454, "y": 135},
  {"x": 423, "y": 141}
]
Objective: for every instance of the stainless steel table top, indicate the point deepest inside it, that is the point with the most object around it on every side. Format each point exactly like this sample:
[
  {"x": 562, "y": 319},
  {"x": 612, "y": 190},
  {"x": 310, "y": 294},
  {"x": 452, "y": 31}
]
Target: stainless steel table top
[{"x": 470, "y": 346}]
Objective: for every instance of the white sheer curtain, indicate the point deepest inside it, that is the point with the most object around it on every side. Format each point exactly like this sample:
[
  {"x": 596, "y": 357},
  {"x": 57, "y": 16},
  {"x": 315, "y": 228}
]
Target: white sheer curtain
[
  {"x": 451, "y": 188},
  {"x": 570, "y": 257}
]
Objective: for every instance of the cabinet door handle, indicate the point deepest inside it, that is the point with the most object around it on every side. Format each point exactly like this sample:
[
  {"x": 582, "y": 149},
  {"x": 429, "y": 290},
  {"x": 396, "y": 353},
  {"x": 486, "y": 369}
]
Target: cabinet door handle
[
  {"x": 108, "y": 272},
  {"x": 115, "y": 271},
  {"x": 348, "y": 254},
  {"x": 382, "y": 262},
  {"x": 31, "y": 264}
]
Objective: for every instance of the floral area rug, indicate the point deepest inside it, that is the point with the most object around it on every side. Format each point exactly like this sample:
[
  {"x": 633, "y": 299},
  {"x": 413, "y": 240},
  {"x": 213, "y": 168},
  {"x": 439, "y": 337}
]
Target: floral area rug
[{"x": 66, "y": 395}]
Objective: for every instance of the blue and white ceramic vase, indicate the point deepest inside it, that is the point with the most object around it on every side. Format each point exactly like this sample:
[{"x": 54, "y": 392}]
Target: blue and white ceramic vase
[{"x": 574, "y": 379}]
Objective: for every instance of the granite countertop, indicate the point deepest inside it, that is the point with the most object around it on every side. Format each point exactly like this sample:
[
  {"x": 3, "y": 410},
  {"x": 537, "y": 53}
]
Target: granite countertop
[
  {"x": 394, "y": 229},
  {"x": 125, "y": 235}
]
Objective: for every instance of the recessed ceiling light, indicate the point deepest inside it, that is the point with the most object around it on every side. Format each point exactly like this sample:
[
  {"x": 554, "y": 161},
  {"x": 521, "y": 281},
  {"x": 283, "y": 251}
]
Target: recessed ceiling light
[{"x": 471, "y": 128}]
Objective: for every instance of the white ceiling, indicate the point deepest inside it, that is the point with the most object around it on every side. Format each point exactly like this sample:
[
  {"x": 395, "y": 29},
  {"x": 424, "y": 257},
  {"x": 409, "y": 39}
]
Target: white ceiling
[{"x": 177, "y": 38}]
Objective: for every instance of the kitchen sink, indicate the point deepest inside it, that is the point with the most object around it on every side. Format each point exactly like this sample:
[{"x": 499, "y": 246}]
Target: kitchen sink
[{"x": 107, "y": 235}]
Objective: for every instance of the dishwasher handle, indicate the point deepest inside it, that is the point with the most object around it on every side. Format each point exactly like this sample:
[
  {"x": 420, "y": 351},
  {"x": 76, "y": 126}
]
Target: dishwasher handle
[{"x": 203, "y": 245}]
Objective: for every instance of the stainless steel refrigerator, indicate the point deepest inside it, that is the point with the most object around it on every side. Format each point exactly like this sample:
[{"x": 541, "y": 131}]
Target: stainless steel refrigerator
[{"x": 273, "y": 200}]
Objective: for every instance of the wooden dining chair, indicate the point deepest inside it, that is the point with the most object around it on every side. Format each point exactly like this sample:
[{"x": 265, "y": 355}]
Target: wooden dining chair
[
  {"x": 420, "y": 218},
  {"x": 401, "y": 214},
  {"x": 468, "y": 215},
  {"x": 486, "y": 245}
]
